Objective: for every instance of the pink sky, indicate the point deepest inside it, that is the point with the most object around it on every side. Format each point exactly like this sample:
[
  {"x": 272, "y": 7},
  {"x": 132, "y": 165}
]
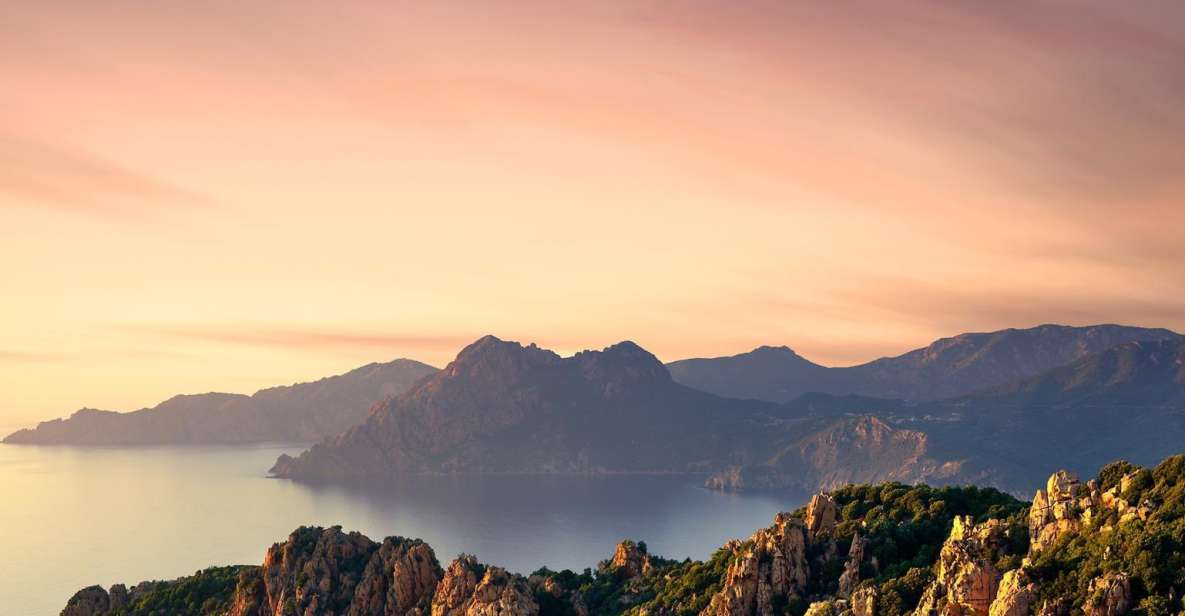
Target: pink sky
[{"x": 227, "y": 195}]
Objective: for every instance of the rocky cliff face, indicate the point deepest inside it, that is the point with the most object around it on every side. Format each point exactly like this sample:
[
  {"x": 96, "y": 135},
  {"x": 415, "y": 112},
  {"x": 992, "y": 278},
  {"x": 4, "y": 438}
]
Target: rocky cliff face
[
  {"x": 968, "y": 580},
  {"x": 630, "y": 559},
  {"x": 470, "y": 589},
  {"x": 1067, "y": 505},
  {"x": 327, "y": 571},
  {"x": 771, "y": 566}
]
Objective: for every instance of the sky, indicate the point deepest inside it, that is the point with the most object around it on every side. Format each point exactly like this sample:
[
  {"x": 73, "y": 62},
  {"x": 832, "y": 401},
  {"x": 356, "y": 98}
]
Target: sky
[{"x": 222, "y": 195}]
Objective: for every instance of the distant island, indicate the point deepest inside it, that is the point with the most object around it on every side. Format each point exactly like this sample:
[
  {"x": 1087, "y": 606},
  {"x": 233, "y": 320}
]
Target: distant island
[
  {"x": 1111, "y": 546},
  {"x": 305, "y": 412}
]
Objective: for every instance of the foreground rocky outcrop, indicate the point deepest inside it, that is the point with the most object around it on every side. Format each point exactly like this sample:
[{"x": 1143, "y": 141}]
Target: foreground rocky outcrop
[
  {"x": 770, "y": 566},
  {"x": 866, "y": 550},
  {"x": 968, "y": 580}
]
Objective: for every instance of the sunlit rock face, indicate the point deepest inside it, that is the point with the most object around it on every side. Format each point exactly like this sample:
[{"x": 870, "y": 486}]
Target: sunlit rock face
[
  {"x": 470, "y": 589},
  {"x": 967, "y": 579},
  {"x": 772, "y": 564},
  {"x": 327, "y": 571}
]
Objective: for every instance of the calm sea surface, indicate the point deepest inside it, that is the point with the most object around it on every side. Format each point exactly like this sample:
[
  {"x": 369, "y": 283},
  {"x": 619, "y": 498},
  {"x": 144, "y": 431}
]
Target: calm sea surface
[{"x": 75, "y": 516}]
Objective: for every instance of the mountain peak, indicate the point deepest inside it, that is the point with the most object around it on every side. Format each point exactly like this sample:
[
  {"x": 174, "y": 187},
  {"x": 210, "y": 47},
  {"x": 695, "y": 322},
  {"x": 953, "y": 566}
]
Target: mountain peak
[{"x": 621, "y": 363}]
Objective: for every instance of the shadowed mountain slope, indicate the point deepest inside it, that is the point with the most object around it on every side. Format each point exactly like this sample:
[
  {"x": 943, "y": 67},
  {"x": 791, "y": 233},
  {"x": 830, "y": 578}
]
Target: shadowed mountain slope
[{"x": 947, "y": 368}]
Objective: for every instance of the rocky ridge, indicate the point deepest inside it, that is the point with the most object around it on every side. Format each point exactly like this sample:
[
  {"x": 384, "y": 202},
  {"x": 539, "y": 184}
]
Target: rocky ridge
[{"x": 1105, "y": 547}]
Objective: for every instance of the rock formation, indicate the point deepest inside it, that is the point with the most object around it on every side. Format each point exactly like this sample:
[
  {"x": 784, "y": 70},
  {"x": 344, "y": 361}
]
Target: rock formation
[
  {"x": 820, "y": 515},
  {"x": 857, "y": 449},
  {"x": 457, "y": 586},
  {"x": 1066, "y": 506},
  {"x": 967, "y": 578},
  {"x": 630, "y": 559},
  {"x": 470, "y": 589},
  {"x": 90, "y": 601},
  {"x": 770, "y": 565},
  {"x": 327, "y": 571},
  {"x": 793, "y": 565},
  {"x": 1015, "y": 596},
  {"x": 863, "y": 601},
  {"x": 1111, "y": 595},
  {"x": 1058, "y": 510},
  {"x": 851, "y": 570}
]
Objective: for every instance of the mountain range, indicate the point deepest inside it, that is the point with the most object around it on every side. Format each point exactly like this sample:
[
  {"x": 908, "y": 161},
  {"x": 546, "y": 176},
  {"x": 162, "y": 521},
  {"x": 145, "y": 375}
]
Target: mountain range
[
  {"x": 305, "y": 412},
  {"x": 506, "y": 408},
  {"x": 501, "y": 407},
  {"x": 994, "y": 408},
  {"x": 947, "y": 368}
]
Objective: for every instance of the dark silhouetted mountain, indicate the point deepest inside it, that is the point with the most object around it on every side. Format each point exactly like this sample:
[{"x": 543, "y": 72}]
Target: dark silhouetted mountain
[
  {"x": 949, "y": 367},
  {"x": 776, "y": 374},
  {"x": 305, "y": 412}
]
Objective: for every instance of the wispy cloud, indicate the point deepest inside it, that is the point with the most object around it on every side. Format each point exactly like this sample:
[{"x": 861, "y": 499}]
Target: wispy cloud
[
  {"x": 29, "y": 357},
  {"x": 313, "y": 340},
  {"x": 51, "y": 176}
]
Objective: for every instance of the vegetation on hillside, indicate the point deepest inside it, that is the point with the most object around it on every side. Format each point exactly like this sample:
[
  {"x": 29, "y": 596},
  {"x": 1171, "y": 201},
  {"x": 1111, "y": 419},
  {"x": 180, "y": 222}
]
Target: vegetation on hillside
[{"x": 903, "y": 528}]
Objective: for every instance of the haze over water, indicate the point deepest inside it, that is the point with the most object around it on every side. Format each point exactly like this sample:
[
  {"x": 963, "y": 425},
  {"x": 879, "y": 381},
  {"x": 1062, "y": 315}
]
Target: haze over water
[{"x": 77, "y": 516}]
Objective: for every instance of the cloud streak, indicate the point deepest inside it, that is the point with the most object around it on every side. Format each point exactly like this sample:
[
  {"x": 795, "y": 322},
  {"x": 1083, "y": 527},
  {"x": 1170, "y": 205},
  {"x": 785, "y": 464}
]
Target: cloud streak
[
  {"x": 49, "y": 176},
  {"x": 308, "y": 339}
]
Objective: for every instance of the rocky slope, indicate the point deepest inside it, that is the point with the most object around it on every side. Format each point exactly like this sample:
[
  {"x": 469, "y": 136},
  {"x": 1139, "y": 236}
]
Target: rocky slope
[
  {"x": 301, "y": 412},
  {"x": 859, "y": 449},
  {"x": 947, "y": 368},
  {"x": 1107, "y": 547}
]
